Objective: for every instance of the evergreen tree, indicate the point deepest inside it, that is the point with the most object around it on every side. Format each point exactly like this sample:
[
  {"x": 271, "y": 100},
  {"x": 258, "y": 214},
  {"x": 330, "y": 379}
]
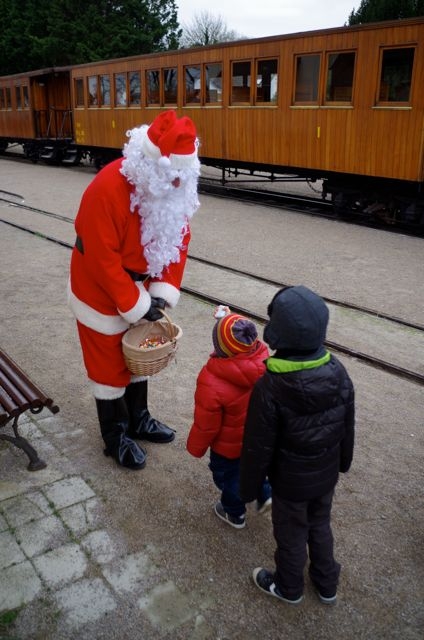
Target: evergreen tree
[
  {"x": 36, "y": 34},
  {"x": 378, "y": 10}
]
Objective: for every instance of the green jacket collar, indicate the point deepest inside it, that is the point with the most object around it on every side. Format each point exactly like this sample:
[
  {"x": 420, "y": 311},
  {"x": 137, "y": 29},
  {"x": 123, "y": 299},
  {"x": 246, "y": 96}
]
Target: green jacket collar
[{"x": 276, "y": 365}]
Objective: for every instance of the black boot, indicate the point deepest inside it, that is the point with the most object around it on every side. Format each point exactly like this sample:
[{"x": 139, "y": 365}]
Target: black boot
[
  {"x": 142, "y": 425},
  {"x": 114, "y": 422}
]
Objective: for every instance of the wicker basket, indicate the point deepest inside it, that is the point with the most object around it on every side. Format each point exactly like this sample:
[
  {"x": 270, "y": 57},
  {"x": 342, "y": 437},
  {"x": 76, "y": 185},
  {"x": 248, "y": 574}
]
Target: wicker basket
[{"x": 148, "y": 361}]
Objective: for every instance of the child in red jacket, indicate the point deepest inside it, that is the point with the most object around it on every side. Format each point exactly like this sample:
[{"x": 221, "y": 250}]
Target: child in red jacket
[{"x": 221, "y": 399}]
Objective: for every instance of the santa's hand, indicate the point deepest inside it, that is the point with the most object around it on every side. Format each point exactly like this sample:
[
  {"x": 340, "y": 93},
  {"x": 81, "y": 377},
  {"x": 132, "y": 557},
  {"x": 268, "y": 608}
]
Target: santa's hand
[{"x": 155, "y": 313}]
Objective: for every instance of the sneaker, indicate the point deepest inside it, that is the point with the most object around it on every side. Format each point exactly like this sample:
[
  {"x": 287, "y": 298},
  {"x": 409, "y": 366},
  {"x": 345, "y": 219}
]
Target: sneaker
[
  {"x": 265, "y": 581},
  {"x": 327, "y": 599},
  {"x": 262, "y": 507},
  {"x": 238, "y": 522}
]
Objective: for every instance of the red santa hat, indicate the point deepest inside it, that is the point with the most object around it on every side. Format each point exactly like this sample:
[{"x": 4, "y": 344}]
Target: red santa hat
[{"x": 172, "y": 141}]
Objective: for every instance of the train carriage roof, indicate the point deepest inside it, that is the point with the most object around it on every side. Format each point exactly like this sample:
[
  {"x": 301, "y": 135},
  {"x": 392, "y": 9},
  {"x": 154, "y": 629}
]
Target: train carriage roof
[
  {"x": 274, "y": 38},
  {"x": 38, "y": 72},
  {"x": 222, "y": 45}
]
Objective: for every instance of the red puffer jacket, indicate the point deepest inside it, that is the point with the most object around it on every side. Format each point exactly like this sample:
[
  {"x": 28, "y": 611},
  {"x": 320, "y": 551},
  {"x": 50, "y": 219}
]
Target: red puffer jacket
[{"x": 222, "y": 395}]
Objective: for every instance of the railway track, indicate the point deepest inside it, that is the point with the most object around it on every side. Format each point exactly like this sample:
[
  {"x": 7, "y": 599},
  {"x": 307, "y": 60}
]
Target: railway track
[
  {"x": 302, "y": 204},
  {"x": 198, "y": 273},
  {"x": 249, "y": 191}
]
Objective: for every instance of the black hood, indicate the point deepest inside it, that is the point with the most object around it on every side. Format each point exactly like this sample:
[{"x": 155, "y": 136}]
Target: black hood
[{"x": 298, "y": 321}]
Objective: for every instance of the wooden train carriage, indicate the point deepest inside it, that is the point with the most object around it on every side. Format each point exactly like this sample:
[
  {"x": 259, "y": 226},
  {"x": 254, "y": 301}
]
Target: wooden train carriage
[
  {"x": 344, "y": 101},
  {"x": 35, "y": 106}
]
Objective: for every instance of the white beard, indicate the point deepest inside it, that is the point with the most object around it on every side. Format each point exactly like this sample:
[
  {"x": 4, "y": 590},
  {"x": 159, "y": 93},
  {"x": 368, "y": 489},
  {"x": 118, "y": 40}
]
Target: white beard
[{"x": 165, "y": 211}]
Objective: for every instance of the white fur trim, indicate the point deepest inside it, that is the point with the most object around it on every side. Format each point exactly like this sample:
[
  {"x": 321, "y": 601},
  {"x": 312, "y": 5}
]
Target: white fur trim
[
  {"x": 139, "y": 378},
  {"x": 102, "y": 323},
  {"x": 108, "y": 325},
  {"x": 141, "y": 307},
  {"x": 177, "y": 161},
  {"x": 164, "y": 161},
  {"x": 105, "y": 392},
  {"x": 165, "y": 291}
]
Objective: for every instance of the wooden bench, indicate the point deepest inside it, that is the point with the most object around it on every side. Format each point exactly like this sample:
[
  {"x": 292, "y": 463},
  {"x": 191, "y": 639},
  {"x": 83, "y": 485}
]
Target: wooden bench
[{"x": 19, "y": 394}]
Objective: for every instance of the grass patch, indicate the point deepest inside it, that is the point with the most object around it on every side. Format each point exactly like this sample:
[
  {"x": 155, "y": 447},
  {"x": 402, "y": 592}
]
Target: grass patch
[{"x": 7, "y": 618}]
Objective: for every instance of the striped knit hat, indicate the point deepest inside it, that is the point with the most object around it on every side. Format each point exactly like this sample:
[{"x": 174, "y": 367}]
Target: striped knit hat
[{"x": 234, "y": 334}]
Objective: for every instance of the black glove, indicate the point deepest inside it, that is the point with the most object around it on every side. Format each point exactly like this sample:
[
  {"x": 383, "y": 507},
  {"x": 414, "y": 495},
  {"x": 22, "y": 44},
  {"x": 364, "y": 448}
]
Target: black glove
[{"x": 155, "y": 313}]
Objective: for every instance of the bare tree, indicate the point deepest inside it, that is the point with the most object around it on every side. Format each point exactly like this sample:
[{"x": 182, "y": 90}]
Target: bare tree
[{"x": 204, "y": 29}]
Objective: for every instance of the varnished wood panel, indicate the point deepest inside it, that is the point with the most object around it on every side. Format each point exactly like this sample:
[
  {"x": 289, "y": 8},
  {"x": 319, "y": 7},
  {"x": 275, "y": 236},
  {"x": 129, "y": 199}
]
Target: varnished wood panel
[{"x": 362, "y": 138}]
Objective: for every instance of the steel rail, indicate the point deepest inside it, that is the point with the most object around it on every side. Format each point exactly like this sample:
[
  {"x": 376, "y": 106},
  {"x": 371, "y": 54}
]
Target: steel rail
[
  {"x": 412, "y": 376},
  {"x": 248, "y": 274}
]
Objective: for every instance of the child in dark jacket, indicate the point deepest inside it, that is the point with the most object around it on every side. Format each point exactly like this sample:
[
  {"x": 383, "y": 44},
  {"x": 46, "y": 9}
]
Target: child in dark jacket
[
  {"x": 221, "y": 398},
  {"x": 300, "y": 433}
]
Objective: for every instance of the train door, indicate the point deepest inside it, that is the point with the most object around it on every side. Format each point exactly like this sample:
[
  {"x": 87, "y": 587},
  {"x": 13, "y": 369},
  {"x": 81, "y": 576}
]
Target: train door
[
  {"x": 39, "y": 101},
  {"x": 51, "y": 102}
]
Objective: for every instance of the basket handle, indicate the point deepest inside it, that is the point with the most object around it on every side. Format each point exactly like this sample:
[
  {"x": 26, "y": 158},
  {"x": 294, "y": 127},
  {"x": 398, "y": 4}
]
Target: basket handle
[{"x": 170, "y": 326}]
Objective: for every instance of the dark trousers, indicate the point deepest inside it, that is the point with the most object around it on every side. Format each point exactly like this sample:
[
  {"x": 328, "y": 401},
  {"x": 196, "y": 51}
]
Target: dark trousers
[
  {"x": 226, "y": 476},
  {"x": 298, "y": 527}
]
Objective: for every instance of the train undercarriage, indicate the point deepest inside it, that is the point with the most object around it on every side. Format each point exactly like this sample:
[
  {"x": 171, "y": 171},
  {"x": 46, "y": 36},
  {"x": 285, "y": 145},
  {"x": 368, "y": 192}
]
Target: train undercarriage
[{"x": 390, "y": 202}]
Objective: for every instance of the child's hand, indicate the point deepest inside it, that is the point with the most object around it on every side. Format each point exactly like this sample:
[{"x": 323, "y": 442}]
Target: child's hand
[{"x": 221, "y": 311}]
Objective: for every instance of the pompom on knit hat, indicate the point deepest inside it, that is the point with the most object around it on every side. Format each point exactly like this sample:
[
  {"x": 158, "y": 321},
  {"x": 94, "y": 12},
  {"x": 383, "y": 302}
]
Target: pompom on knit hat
[
  {"x": 234, "y": 334},
  {"x": 172, "y": 141}
]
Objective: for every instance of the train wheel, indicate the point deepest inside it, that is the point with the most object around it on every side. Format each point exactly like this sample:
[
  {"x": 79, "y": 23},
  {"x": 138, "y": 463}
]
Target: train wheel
[
  {"x": 31, "y": 151},
  {"x": 344, "y": 204}
]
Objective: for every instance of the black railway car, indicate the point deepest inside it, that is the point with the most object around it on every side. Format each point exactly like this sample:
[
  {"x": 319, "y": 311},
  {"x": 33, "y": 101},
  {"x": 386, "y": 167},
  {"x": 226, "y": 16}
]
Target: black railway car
[{"x": 343, "y": 105}]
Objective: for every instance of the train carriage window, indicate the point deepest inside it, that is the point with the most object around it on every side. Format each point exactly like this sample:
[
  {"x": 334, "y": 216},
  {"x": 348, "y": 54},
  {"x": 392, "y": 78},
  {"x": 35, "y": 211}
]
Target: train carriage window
[
  {"x": 307, "y": 78},
  {"x": 18, "y": 97},
  {"x": 79, "y": 92},
  {"x": 2, "y": 99},
  {"x": 266, "y": 81},
  {"x": 339, "y": 82},
  {"x": 153, "y": 87},
  {"x": 120, "y": 84},
  {"x": 134, "y": 78},
  {"x": 8, "y": 98},
  {"x": 396, "y": 75},
  {"x": 213, "y": 83},
  {"x": 104, "y": 90},
  {"x": 193, "y": 85},
  {"x": 240, "y": 82},
  {"x": 170, "y": 85},
  {"x": 25, "y": 96},
  {"x": 93, "y": 99}
]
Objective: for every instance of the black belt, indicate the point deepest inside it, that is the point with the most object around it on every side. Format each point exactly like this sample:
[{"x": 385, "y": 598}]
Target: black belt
[
  {"x": 137, "y": 277},
  {"x": 79, "y": 245}
]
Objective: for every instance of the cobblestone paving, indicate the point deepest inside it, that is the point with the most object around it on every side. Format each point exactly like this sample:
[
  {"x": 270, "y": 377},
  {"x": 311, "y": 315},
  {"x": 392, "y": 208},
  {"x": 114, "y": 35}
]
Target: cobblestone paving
[{"x": 54, "y": 547}]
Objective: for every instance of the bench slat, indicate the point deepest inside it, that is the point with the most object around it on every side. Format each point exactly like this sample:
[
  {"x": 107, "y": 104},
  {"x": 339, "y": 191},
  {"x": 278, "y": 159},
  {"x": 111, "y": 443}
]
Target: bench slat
[
  {"x": 18, "y": 393},
  {"x": 19, "y": 379}
]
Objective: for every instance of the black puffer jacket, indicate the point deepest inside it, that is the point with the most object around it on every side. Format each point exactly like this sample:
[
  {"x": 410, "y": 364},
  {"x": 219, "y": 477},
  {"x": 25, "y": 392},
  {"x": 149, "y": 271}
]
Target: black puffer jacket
[
  {"x": 299, "y": 431},
  {"x": 299, "y": 428}
]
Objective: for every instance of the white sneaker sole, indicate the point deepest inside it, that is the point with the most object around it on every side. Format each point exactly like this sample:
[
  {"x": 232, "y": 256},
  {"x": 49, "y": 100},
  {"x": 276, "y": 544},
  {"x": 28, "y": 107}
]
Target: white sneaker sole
[
  {"x": 225, "y": 519},
  {"x": 272, "y": 589}
]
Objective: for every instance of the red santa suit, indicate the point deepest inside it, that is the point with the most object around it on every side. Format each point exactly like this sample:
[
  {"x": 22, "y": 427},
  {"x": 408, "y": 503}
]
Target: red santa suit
[{"x": 126, "y": 225}]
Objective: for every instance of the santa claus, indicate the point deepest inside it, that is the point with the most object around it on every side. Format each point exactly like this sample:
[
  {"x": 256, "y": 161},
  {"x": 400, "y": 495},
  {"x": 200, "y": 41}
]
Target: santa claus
[{"x": 128, "y": 261}]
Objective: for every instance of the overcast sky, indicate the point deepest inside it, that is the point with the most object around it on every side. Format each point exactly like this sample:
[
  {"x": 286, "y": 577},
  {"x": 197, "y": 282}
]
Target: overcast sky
[{"x": 259, "y": 18}]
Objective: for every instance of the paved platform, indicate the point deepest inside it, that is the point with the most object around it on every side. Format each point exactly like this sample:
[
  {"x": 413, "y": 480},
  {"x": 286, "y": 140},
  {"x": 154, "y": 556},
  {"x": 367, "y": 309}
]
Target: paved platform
[{"x": 92, "y": 551}]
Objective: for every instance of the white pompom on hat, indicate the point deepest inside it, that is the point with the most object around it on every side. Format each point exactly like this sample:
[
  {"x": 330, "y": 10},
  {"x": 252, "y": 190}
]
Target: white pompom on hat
[{"x": 172, "y": 141}]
